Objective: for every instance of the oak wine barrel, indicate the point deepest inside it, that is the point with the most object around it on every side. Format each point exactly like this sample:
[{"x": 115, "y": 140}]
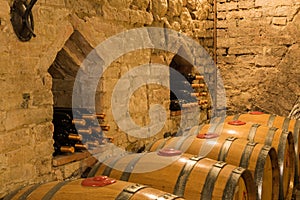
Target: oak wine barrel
[
  {"x": 98, "y": 188},
  {"x": 281, "y": 140},
  {"x": 183, "y": 175},
  {"x": 260, "y": 159},
  {"x": 271, "y": 120}
]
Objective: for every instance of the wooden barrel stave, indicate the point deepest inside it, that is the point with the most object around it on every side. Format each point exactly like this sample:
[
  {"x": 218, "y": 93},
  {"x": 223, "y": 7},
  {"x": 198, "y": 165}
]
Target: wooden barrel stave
[
  {"x": 119, "y": 190},
  {"x": 177, "y": 177}
]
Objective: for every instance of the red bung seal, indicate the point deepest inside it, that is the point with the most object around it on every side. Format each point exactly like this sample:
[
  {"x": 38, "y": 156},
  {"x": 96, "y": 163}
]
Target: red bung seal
[
  {"x": 256, "y": 113},
  {"x": 207, "y": 135},
  {"x": 98, "y": 181},
  {"x": 236, "y": 123},
  {"x": 169, "y": 152}
]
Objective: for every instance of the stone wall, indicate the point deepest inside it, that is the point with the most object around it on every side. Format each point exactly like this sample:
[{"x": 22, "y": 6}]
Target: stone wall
[
  {"x": 97, "y": 22},
  {"x": 258, "y": 54},
  {"x": 27, "y": 99}
]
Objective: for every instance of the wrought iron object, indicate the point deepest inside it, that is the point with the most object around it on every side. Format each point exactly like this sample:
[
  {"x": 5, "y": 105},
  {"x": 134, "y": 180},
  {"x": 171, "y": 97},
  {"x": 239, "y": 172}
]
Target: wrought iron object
[{"x": 22, "y": 19}]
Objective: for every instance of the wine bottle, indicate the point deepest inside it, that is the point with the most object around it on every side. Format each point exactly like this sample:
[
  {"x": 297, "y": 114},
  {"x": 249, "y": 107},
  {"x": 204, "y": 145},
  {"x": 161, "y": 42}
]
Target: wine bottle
[
  {"x": 189, "y": 105},
  {"x": 195, "y": 94},
  {"x": 100, "y": 115},
  {"x": 84, "y": 113},
  {"x": 80, "y": 146},
  {"x": 93, "y": 116},
  {"x": 89, "y": 116},
  {"x": 62, "y": 149},
  {"x": 109, "y": 139},
  {"x": 105, "y": 127},
  {"x": 199, "y": 94},
  {"x": 85, "y": 131},
  {"x": 203, "y": 102},
  {"x": 93, "y": 144},
  {"x": 203, "y": 94},
  {"x": 63, "y": 135},
  {"x": 62, "y": 119},
  {"x": 190, "y": 77},
  {"x": 79, "y": 122},
  {"x": 196, "y": 85}
]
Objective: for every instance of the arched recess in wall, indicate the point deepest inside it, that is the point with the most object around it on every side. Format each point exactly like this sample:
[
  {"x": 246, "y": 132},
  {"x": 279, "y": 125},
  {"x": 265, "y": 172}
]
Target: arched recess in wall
[
  {"x": 191, "y": 92},
  {"x": 65, "y": 67},
  {"x": 63, "y": 70}
]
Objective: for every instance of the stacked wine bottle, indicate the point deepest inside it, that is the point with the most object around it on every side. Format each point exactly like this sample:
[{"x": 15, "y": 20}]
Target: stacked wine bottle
[
  {"x": 187, "y": 93},
  {"x": 78, "y": 131}
]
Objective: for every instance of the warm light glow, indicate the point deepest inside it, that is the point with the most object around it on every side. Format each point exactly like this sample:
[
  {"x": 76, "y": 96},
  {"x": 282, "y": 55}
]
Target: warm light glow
[
  {"x": 231, "y": 132},
  {"x": 182, "y": 160},
  {"x": 211, "y": 142},
  {"x": 150, "y": 196}
]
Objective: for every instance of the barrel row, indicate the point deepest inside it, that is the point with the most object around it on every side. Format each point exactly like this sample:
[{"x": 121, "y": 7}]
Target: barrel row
[
  {"x": 163, "y": 175},
  {"x": 245, "y": 161},
  {"x": 180, "y": 174},
  {"x": 99, "y": 187},
  {"x": 272, "y": 120},
  {"x": 261, "y": 160},
  {"x": 226, "y": 142}
]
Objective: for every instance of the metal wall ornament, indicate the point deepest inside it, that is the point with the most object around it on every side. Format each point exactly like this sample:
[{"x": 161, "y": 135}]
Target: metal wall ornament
[{"x": 22, "y": 19}]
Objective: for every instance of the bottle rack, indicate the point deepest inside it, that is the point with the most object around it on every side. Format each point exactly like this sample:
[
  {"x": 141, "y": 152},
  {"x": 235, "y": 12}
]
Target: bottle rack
[
  {"x": 191, "y": 93},
  {"x": 79, "y": 131}
]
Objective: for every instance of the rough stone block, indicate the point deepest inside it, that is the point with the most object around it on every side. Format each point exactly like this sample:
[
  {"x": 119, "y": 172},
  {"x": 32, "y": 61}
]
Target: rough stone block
[
  {"x": 222, "y": 7},
  {"x": 279, "y": 21},
  {"x": 237, "y": 31},
  {"x": 141, "y": 17},
  {"x": 231, "y": 6},
  {"x": 43, "y": 166},
  {"x": 246, "y": 4},
  {"x": 120, "y": 4},
  {"x": 247, "y": 59},
  {"x": 245, "y": 50},
  {"x": 44, "y": 149},
  {"x": 70, "y": 169},
  {"x": 221, "y": 51},
  {"x": 160, "y": 7},
  {"x": 142, "y": 5},
  {"x": 221, "y": 15},
  {"x": 272, "y": 3},
  {"x": 278, "y": 51},
  {"x": 267, "y": 61},
  {"x": 226, "y": 42},
  {"x": 228, "y": 60},
  {"x": 43, "y": 132},
  {"x": 22, "y": 117},
  {"x": 13, "y": 139},
  {"x": 222, "y": 24},
  {"x": 175, "y": 8}
]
